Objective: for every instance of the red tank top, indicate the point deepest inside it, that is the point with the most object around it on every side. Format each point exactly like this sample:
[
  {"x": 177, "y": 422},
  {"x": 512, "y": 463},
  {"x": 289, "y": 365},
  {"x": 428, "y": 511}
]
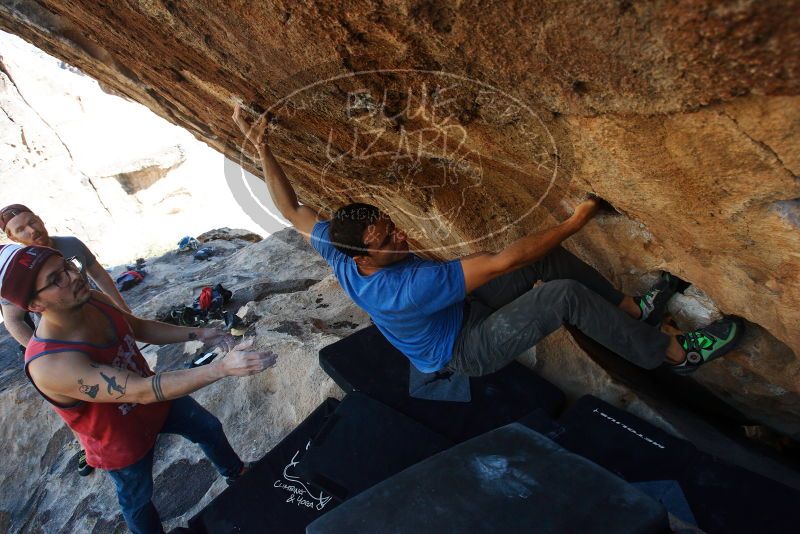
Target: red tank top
[{"x": 113, "y": 435}]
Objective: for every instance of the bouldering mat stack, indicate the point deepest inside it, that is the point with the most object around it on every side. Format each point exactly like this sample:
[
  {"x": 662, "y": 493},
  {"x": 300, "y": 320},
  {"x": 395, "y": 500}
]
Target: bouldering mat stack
[
  {"x": 509, "y": 480},
  {"x": 366, "y": 362},
  {"x": 362, "y": 443},
  {"x": 383, "y": 460},
  {"x": 721, "y": 498},
  {"x": 271, "y": 497}
]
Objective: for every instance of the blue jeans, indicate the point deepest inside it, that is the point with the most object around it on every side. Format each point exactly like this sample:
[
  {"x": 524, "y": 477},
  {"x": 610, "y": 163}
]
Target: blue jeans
[{"x": 134, "y": 483}]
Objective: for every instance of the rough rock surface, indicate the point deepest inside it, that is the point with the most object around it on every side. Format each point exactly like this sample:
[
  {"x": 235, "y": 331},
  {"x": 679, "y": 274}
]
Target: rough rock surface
[
  {"x": 42, "y": 491},
  {"x": 493, "y": 118}
]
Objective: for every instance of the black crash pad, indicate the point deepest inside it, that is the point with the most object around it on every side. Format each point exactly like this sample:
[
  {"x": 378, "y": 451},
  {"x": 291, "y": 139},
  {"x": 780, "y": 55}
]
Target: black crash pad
[
  {"x": 362, "y": 443},
  {"x": 271, "y": 497},
  {"x": 365, "y": 361},
  {"x": 509, "y": 480},
  {"x": 723, "y": 498}
]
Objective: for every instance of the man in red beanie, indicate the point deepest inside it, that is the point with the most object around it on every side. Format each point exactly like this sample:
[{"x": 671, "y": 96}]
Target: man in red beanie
[
  {"x": 84, "y": 360},
  {"x": 23, "y": 226}
]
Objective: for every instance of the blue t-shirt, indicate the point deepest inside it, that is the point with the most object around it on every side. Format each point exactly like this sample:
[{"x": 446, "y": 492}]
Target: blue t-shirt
[{"x": 417, "y": 304}]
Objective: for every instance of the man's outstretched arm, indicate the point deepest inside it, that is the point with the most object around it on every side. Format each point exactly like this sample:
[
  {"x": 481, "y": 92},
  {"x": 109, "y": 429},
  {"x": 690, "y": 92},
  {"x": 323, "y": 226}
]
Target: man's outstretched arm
[
  {"x": 481, "y": 268},
  {"x": 280, "y": 189},
  {"x": 73, "y": 376},
  {"x": 158, "y": 333}
]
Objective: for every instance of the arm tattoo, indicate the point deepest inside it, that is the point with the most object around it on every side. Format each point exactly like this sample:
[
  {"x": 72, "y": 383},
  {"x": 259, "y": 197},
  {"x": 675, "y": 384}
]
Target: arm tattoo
[
  {"x": 157, "y": 387},
  {"x": 111, "y": 382},
  {"x": 192, "y": 336},
  {"x": 88, "y": 390}
]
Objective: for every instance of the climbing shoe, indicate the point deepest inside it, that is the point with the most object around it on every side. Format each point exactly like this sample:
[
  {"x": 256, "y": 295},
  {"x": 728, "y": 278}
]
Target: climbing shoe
[
  {"x": 706, "y": 344},
  {"x": 653, "y": 304},
  {"x": 185, "y": 316},
  {"x": 247, "y": 467},
  {"x": 232, "y": 321},
  {"x": 84, "y": 469}
]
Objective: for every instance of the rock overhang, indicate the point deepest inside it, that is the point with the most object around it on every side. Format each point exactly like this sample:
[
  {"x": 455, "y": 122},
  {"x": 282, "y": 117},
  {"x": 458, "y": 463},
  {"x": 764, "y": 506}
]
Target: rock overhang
[{"x": 683, "y": 116}]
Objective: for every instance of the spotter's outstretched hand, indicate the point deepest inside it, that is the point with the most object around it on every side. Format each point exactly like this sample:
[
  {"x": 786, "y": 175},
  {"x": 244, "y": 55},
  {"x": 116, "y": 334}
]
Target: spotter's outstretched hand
[{"x": 241, "y": 361}]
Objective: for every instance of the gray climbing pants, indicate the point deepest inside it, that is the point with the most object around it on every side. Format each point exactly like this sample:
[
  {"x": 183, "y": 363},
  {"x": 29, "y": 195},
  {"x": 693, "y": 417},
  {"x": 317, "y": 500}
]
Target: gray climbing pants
[{"x": 507, "y": 316}]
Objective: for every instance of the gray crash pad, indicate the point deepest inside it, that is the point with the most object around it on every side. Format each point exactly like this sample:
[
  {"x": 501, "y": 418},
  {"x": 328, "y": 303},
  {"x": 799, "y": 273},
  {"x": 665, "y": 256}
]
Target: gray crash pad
[{"x": 511, "y": 479}]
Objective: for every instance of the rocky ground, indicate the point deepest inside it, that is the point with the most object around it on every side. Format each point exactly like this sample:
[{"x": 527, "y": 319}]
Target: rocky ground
[{"x": 297, "y": 307}]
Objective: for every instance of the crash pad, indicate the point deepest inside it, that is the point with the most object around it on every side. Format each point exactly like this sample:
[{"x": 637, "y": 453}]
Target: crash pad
[
  {"x": 511, "y": 479},
  {"x": 366, "y": 362},
  {"x": 362, "y": 443},
  {"x": 722, "y": 498},
  {"x": 271, "y": 497}
]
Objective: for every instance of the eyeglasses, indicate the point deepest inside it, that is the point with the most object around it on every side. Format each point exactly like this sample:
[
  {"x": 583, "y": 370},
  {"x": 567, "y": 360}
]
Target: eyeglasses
[{"x": 61, "y": 278}]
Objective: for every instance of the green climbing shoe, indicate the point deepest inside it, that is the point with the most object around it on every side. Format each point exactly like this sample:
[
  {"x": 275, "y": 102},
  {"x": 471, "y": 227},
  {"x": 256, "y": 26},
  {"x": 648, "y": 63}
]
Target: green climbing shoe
[
  {"x": 706, "y": 344},
  {"x": 653, "y": 304}
]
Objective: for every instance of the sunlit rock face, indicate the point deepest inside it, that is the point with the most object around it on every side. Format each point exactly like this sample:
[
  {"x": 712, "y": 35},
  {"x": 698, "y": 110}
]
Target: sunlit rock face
[
  {"x": 473, "y": 124},
  {"x": 100, "y": 167}
]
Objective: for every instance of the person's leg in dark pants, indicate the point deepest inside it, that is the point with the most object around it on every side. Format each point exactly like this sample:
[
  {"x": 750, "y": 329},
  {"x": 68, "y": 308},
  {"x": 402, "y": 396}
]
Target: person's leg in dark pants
[
  {"x": 190, "y": 420},
  {"x": 134, "y": 485},
  {"x": 491, "y": 339},
  {"x": 558, "y": 264}
]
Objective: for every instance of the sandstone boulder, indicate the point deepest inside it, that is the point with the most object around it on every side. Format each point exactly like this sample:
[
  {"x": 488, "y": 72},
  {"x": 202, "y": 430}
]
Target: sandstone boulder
[{"x": 473, "y": 124}]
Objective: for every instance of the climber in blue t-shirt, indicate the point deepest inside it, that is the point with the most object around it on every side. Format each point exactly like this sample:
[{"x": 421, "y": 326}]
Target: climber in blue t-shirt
[
  {"x": 417, "y": 304},
  {"x": 476, "y": 314}
]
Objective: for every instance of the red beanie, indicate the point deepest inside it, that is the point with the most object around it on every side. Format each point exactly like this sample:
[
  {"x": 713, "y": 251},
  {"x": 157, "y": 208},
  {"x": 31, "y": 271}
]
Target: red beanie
[
  {"x": 9, "y": 212},
  {"x": 18, "y": 269}
]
